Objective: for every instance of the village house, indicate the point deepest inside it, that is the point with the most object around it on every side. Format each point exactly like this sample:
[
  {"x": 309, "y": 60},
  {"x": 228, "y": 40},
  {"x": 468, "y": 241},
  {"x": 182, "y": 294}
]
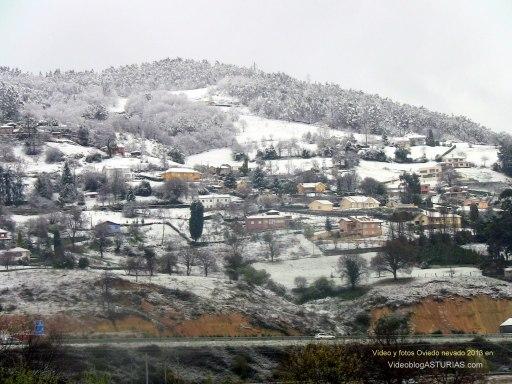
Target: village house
[
  {"x": 433, "y": 171},
  {"x": 185, "y": 174},
  {"x": 416, "y": 139},
  {"x": 455, "y": 193},
  {"x": 214, "y": 201},
  {"x": 435, "y": 219},
  {"x": 456, "y": 161},
  {"x": 119, "y": 150},
  {"x": 14, "y": 255},
  {"x": 55, "y": 130},
  {"x": 224, "y": 169},
  {"x": 358, "y": 202},
  {"x": 5, "y": 235},
  {"x": 116, "y": 149},
  {"x": 401, "y": 142},
  {"x": 360, "y": 226},
  {"x": 480, "y": 203},
  {"x": 269, "y": 220},
  {"x": 321, "y": 205},
  {"x": 394, "y": 192},
  {"x": 112, "y": 228},
  {"x": 124, "y": 173},
  {"x": 7, "y": 129},
  {"x": 397, "y": 204},
  {"x": 90, "y": 195},
  {"x": 305, "y": 188}
]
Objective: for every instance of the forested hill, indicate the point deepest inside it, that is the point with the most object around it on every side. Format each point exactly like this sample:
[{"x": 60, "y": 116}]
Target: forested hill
[{"x": 273, "y": 95}]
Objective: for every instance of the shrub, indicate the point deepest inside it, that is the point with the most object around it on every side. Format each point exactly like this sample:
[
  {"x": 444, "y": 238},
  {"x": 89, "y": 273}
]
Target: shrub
[
  {"x": 65, "y": 262},
  {"x": 83, "y": 262},
  {"x": 54, "y": 155},
  {"x": 93, "y": 158},
  {"x": 241, "y": 367},
  {"x": 254, "y": 276},
  {"x": 32, "y": 148},
  {"x": 143, "y": 189},
  {"x": 93, "y": 181},
  {"x": 129, "y": 210},
  {"x": 278, "y": 289}
]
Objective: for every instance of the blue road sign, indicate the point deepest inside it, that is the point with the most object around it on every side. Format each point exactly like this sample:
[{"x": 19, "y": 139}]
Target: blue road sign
[{"x": 39, "y": 328}]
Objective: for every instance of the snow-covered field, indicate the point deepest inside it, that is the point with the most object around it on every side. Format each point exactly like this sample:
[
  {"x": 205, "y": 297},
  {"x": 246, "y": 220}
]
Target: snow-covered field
[
  {"x": 213, "y": 158},
  {"x": 285, "y": 271}
]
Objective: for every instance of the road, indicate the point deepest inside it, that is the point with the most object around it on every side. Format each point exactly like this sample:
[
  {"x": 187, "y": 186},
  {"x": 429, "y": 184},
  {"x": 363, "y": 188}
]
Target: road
[{"x": 199, "y": 342}]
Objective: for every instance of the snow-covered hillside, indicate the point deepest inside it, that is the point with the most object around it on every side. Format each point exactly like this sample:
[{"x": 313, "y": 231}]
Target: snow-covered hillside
[{"x": 256, "y": 132}]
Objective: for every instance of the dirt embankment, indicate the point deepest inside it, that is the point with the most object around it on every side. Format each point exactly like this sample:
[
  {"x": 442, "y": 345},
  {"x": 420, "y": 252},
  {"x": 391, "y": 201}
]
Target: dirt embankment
[
  {"x": 480, "y": 314},
  {"x": 78, "y": 303}
]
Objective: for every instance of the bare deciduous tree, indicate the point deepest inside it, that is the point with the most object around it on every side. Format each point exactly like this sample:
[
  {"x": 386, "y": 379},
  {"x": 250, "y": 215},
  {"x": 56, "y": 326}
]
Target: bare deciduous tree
[
  {"x": 206, "y": 261},
  {"x": 273, "y": 245},
  {"x": 74, "y": 222},
  {"x": 188, "y": 258},
  {"x": 100, "y": 238}
]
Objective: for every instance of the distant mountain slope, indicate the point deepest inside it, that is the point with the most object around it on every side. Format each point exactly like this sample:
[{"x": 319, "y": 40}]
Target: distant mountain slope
[{"x": 273, "y": 95}]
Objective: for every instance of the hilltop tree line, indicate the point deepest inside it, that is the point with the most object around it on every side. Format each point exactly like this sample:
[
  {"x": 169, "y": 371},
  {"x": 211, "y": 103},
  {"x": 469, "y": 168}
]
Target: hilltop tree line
[
  {"x": 274, "y": 95},
  {"x": 279, "y": 96}
]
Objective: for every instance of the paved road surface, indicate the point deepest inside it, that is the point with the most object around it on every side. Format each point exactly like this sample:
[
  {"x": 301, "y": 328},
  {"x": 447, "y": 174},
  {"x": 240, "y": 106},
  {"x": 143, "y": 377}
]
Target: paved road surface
[{"x": 263, "y": 341}]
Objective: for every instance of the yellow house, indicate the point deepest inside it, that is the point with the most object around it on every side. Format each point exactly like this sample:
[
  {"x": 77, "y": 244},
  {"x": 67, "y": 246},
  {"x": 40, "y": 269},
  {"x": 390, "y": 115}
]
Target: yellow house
[
  {"x": 304, "y": 188},
  {"x": 437, "y": 219},
  {"x": 321, "y": 205},
  {"x": 358, "y": 202},
  {"x": 185, "y": 174}
]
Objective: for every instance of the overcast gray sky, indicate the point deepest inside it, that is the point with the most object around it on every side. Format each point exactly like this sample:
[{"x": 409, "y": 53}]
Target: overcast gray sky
[{"x": 452, "y": 56}]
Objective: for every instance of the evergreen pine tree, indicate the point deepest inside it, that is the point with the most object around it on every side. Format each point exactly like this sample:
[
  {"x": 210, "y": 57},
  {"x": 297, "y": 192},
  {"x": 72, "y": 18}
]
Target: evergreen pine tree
[
  {"x": 244, "y": 169},
  {"x": 258, "y": 178},
  {"x": 276, "y": 186},
  {"x": 230, "y": 180},
  {"x": 67, "y": 177},
  {"x": 19, "y": 240},
  {"x": 68, "y": 192},
  {"x": 474, "y": 214},
  {"x": 17, "y": 190},
  {"x": 58, "y": 248},
  {"x": 83, "y": 136},
  {"x": 196, "y": 220},
  {"x": 328, "y": 225},
  {"x": 430, "y": 141},
  {"x": 43, "y": 186},
  {"x": 130, "y": 196},
  {"x": 7, "y": 187}
]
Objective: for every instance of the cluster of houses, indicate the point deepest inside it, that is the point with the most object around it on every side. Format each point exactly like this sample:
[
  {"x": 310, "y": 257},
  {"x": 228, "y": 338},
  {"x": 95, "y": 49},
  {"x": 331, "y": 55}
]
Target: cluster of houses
[
  {"x": 20, "y": 131},
  {"x": 11, "y": 255},
  {"x": 346, "y": 202},
  {"x": 409, "y": 140}
]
